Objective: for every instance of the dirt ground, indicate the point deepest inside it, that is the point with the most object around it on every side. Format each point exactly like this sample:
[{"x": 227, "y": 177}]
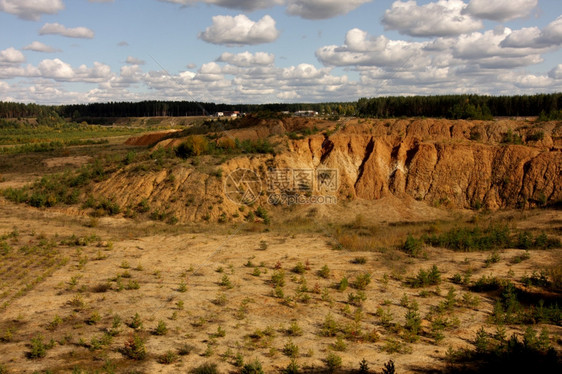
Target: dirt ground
[{"x": 202, "y": 279}]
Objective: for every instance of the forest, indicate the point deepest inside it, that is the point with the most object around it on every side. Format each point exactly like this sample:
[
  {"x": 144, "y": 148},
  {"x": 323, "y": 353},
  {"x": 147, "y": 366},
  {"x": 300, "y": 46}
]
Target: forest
[{"x": 547, "y": 106}]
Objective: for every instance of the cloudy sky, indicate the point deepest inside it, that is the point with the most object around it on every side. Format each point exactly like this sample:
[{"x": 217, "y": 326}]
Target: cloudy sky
[{"x": 264, "y": 51}]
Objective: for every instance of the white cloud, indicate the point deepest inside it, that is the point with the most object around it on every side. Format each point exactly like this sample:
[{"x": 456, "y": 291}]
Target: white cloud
[
  {"x": 210, "y": 72},
  {"x": 56, "y": 69},
  {"x": 248, "y": 5},
  {"x": 240, "y": 30},
  {"x": 98, "y": 73},
  {"x": 533, "y": 37},
  {"x": 246, "y": 59},
  {"x": 322, "y": 9},
  {"x": 527, "y": 81},
  {"x": 134, "y": 61},
  {"x": 360, "y": 49},
  {"x": 488, "y": 50},
  {"x": 11, "y": 56},
  {"x": 31, "y": 9},
  {"x": 500, "y": 10},
  {"x": 441, "y": 18},
  {"x": 40, "y": 47},
  {"x": 58, "y": 29}
]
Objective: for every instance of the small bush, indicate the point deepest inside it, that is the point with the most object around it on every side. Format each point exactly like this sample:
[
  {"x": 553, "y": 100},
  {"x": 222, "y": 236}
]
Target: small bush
[
  {"x": 342, "y": 284},
  {"x": 294, "y": 329},
  {"x": 333, "y": 362},
  {"x": 324, "y": 272},
  {"x": 161, "y": 329},
  {"x": 168, "y": 358},
  {"x": 330, "y": 326},
  {"x": 206, "y": 368},
  {"x": 359, "y": 260},
  {"x": 38, "y": 348},
  {"x": 291, "y": 350},
  {"x": 362, "y": 281},
  {"x": 253, "y": 367},
  {"x": 299, "y": 268},
  {"x": 136, "y": 322},
  {"x": 426, "y": 278},
  {"x": 412, "y": 246},
  {"x": 134, "y": 348}
]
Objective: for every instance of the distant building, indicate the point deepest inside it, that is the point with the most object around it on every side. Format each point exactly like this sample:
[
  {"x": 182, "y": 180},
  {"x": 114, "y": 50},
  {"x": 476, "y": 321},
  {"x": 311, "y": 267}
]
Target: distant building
[
  {"x": 230, "y": 114},
  {"x": 306, "y": 113}
]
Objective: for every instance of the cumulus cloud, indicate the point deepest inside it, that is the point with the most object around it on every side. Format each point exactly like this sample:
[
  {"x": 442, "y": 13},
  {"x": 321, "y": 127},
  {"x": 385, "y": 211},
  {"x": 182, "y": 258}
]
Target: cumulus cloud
[
  {"x": 488, "y": 50},
  {"x": 360, "y": 49},
  {"x": 441, "y": 18},
  {"x": 249, "y": 5},
  {"x": 40, "y": 47},
  {"x": 322, "y": 9},
  {"x": 246, "y": 59},
  {"x": 58, "y": 29},
  {"x": 31, "y": 9},
  {"x": 240, "y": 30},
  {"x": 56, "y": 69},
  {"x": 500, "y": 10},
  {"x": 11, "y": 56},
  {"x": 533, "y": 37},
  {"x": 134, "y": 61}
]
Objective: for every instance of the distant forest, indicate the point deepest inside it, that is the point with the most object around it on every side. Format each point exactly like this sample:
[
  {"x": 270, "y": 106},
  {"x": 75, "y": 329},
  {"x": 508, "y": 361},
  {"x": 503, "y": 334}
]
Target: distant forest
[{"x": 547, "y": 106}]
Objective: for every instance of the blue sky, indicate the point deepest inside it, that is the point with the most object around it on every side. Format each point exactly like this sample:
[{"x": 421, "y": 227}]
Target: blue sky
[{"x": 78, "y": 51}]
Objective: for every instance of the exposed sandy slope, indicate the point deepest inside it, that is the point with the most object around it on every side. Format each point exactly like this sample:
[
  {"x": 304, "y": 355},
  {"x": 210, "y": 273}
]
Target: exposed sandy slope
[{"x": 430, "y": 160}]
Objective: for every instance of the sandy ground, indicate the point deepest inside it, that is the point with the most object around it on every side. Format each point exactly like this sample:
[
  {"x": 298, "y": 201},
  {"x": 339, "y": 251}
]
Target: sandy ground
[{"x": 162, "y": 259}]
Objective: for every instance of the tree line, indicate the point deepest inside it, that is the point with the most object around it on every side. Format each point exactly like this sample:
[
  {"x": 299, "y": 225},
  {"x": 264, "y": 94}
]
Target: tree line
[{"x": 548, "y": 106}]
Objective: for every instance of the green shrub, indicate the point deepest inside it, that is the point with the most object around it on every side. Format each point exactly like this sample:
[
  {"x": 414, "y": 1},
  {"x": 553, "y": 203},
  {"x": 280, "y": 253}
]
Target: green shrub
[
  {"x": 342, "y": 284},
  {"x": 333, "y": 362},
  {"x": 290, "y": 349},
  {"x": 294, "y": 329},
  {"x": 475, "y": 239},
  {"x": 329, "y": 326},
  {"x": 292, "y": 368},
  {"x": 412, "y": 246},
  {"x": 136, "y": 322},
  {"x": 299, "y": 268},
  {"x": 134, "y": 348},
  {"x": 161, "y": 329},
  {"x": 253, "y": 367},
  {"x": 278, "y": 278},
  {"x": 168, "y": 358},
  {"x": 361, "y": 260},
  {"x": 426, "y": 278},
  {"x": 206, "y": 368},
  {"x": 388, "y": 367},
  {"x": 362, "y": 281},
  {"x": 38, "y": 349}
]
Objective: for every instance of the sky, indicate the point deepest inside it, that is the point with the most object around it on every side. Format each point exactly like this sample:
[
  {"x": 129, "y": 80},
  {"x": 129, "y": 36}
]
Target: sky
[{"x": 275, "y": 51}]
